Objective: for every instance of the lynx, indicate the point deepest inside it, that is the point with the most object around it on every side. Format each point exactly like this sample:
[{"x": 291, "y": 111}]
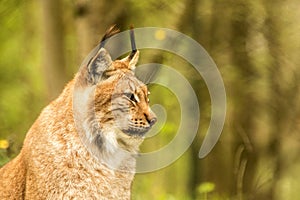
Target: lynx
[{"x": 83, "y": 144}]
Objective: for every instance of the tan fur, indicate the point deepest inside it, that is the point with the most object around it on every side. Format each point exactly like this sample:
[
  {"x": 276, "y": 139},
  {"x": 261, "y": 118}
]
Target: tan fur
[{"x": 79, "y": 147}]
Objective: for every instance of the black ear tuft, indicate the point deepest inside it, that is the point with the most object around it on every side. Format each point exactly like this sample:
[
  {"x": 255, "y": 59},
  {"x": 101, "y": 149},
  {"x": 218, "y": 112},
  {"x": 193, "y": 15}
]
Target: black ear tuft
[
  {"x": 109, "y": 33},
  {"x": 98, "y": 65},
  {"x": 132, "y": 41}
]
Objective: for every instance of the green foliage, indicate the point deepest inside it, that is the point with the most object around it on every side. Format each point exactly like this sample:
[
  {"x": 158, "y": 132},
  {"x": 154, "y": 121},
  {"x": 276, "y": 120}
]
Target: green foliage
[{"x": 20, "y": 88}]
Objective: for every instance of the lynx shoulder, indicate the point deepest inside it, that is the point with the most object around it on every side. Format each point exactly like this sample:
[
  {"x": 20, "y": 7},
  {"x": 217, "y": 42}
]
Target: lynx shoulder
[{"x": 83, "y": 144}]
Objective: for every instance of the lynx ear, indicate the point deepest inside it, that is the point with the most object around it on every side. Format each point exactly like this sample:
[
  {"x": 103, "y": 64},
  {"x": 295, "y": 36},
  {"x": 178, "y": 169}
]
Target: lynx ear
[
  {"x": 98, "y": 65},
  {"x": 133, "y": 57},
  {"x": 133, "y": 61}
]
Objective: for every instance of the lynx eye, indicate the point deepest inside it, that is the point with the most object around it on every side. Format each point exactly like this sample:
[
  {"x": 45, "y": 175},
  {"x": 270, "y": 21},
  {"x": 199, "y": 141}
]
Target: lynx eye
[{"x": 131, "y": 96}]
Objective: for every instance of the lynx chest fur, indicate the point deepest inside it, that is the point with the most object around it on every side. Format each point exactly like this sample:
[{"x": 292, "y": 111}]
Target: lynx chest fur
[{"x": 83, "y": 144}]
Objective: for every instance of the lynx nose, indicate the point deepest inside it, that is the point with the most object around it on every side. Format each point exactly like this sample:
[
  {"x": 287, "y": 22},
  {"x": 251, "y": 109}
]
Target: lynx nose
[
  {"x": 152, "y": 121},
  {"x": 151, "y": 118}
]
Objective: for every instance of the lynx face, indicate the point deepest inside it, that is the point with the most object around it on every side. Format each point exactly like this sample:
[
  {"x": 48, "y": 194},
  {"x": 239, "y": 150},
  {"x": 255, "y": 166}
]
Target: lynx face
[
  {"x": 126, "y": 105},
  {"x": 130, "y": 106}
]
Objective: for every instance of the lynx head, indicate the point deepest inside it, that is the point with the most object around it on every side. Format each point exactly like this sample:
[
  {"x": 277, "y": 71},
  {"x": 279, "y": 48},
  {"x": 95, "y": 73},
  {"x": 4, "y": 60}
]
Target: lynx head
[
  {"x": 121, "y": 100},
  {"x": 118, "y": 112}
]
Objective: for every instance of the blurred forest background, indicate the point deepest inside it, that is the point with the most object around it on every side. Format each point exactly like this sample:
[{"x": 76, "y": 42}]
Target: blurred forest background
[{"x": 255, "y": 44}]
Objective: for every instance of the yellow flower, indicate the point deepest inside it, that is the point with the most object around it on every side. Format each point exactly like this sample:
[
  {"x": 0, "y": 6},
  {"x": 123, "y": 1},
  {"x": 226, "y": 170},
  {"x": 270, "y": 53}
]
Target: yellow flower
[{"x": 4, "y": 144}]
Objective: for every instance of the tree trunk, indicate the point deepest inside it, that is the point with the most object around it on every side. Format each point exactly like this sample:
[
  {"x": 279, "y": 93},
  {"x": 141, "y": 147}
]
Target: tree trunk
[
  {"x": 53, "y": 47},
  {"x": 245, "y": 106}
]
